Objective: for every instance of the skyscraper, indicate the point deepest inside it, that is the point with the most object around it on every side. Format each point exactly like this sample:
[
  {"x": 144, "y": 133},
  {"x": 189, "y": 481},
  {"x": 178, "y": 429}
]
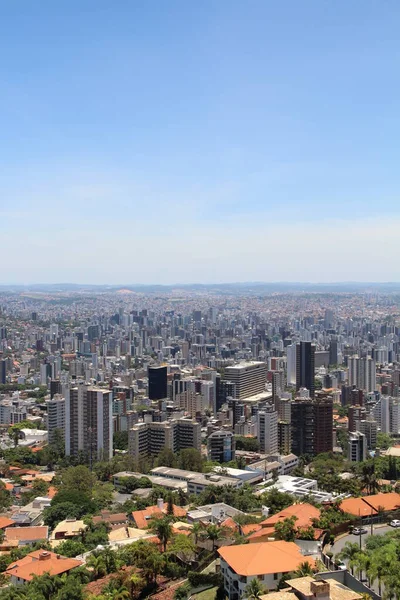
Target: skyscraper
[
  {"x": 305, "y": 366},
  {"x": 158, "y": 388},
  {"x": 267, "y": 431},
  {"x": 3, "y": 371},
  {"x": 312, "y": 426},
  {"x": 362, "y": 373},
  {"x": 291, "y": 364},
  {"x": 221, "y": 446},
  {"x": 88, "y": 422}
]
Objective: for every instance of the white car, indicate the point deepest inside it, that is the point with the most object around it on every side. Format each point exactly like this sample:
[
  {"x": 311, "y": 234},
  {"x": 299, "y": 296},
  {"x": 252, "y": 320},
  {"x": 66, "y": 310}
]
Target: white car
[{"x": 395, "y": 523}]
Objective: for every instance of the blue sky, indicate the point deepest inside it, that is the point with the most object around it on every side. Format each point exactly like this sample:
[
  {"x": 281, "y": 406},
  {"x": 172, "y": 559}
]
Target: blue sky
[{"x": 181, "y": 141}]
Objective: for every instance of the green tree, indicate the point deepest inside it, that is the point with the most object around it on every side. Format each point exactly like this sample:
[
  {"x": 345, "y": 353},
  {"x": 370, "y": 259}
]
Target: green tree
[
  {"x": 54, "y": 514},
  {"x": 96, "y": 564},
  {"x": 349, "y": 553},
  {"x": 213, "y": 533},
  {"x": 304, "y": 570},
  {"x": 78, "y": 479},
  {"x": 285, "y": 530},
  {"x": 71, "y": 548},
  {"x": 120, "y": 440},
  {"x": 13, "y": 434},
  {"x": 161, "y": 527},
  {"x": 254, "y": 589},
  {"x": 190, "y": 459}
]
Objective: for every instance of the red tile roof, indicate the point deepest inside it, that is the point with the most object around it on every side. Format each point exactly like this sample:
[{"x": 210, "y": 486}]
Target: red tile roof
[
  {"x": 41, "y": 562},
  {"x": 142, "y": 518}
]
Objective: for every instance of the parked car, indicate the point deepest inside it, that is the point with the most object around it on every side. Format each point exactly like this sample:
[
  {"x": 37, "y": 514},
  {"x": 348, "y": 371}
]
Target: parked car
[
  {"x": 395, "y": 523},
  {"x": 359, "y": 531}
]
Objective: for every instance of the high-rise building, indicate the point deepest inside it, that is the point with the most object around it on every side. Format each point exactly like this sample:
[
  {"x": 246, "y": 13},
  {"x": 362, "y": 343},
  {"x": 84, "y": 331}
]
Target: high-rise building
[
  {"x": 305, "y": 366},
  {"x": 55, "y": 416},
  {"x": 249, "y": 378},
  {"x": 284, "y": 440},
  {"x": 362, "y": 373},
  {"x": 157, "y": 382},
  {"x": 148, "y": 439},
  {"x": 370, "y": 429},
  {"x": 267, "y": 431},
  {"x": 88, "y": 422},
  {"x": 356, "y": 413},
  {"x": 312, "y": 426},
  {"x": 278, "y": 386},
  {"x": 291, "y": 364},
  {"x": 333, "y": 353},
  {"x": 357, "y": 447},
  {"x": 221, "y": 446},
  {"x": 3, "y": 371}
]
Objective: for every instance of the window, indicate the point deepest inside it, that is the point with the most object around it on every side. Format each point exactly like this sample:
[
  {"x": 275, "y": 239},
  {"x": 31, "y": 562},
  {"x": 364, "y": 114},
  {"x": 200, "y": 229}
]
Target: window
[
  {"x": 275, "y": 576},
  {"x": 260, "y": 577}
]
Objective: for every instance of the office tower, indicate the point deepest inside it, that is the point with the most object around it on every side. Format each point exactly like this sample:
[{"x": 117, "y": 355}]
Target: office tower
[
  {"x": 305, "y": 366},
  {"x": 88, "y": 422},
  {"x": 3, "y": 371},
  {"x": 3, "y": 333},
  {"x": 148, "y": 439},
  {"x": 312, "y": 426},
  {"x": 329, "y": 319},
  {"x": 333, "y": 353},
  {"x": 224, "y": 390},
  {"x": 55, "y": 387},
  {"x": 278, "y": 386},
  {"x": 291, "y": 364},
  {"x": 55, "y": 417},
  {"x": 157, "y": 382},
  {"x": 237, "y": 410},
  {"x": 381, "y": 413},
  {"x": 323, "y": 437},
  {"x": 284, "y": 441},
  {"x": 45, "y": 373},
  {"x": 302, "y": 427},
  {"x": 362, "y": 373},
  {"x": 356, "y": 413},
  {"x": 357, "y": 447},
  {"x": 249, "y": 378},
  {"x": 267, "y": 431},
  {"x": 221, "y": 446},
  {"x": 370, "y": 429},
  {"x": 284, "y": 409}
]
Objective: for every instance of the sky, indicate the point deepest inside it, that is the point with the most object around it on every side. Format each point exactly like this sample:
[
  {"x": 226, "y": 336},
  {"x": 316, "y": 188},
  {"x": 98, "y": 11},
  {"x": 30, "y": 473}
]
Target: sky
[{"x": 171, "y": 141}]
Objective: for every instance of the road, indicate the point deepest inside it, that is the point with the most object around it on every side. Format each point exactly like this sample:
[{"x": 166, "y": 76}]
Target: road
[{"x": 378, "y": 530}]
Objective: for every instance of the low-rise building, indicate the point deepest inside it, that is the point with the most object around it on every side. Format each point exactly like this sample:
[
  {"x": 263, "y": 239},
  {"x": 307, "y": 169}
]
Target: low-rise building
[
  {"x": 266, "y": 562},
  {"x": 38, "y": 563}
]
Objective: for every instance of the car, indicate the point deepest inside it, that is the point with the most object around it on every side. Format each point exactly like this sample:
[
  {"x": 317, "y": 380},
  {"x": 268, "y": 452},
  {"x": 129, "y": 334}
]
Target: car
[
  {"x": 395, "y": 523},
  {"x": 359, "y": 531}
]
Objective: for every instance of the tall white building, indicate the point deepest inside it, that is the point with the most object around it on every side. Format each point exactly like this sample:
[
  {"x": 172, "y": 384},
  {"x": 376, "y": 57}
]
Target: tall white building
[
  {"x": 88, "y": 422},
  {"x": 291, "y": 364},
  {"x": 362, "y": 373},
  {"x": 357, "y": 447},
  {"x": 55, "y": 416},
  {"x": 249, "y": 378},
  {"x": 267, "y": 431}
]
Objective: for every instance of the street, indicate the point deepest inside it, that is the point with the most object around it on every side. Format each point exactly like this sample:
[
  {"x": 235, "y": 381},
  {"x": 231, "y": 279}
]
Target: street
[{"x": 377, "y": 530}]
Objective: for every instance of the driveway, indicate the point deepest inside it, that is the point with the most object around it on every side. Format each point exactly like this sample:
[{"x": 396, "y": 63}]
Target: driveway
[{"x": 377, "y": 530}]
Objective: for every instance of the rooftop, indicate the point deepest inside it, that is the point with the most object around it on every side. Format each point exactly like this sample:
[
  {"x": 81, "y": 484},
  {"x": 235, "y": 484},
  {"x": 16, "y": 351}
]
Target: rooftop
[{"x": 263, "y": 558}]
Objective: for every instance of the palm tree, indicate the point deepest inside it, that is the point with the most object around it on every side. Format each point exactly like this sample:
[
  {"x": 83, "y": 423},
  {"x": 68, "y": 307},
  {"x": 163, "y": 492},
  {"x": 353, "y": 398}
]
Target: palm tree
[
  {"x": 349, "y": 553},
  {"x": 162, "y": 529},
  {"x": 213, "y": 533},
  {"x": 369, "y": 479},
  {"x": 254, "y": 589},
  {"x": 304, "y": 570},
  {"x": 97, "y": 565},
  {"x": 135, "y": 582},
  {"x": 197, "y": 529}
]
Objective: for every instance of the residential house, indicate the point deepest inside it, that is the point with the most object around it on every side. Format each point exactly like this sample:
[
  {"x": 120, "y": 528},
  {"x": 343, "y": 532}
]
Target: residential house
[
  {"x": 38, "y": 563},
  {"x": 142, "y": 518},
  {"x": 266, "y": 562},
  {"x": 65, "y": 530},
  {"x": 304, "y": 514},
  {"x": 26, "y": 535}
]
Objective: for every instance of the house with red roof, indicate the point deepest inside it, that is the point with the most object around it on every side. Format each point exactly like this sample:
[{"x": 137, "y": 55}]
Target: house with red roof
[{"x": 38, "y": 563}]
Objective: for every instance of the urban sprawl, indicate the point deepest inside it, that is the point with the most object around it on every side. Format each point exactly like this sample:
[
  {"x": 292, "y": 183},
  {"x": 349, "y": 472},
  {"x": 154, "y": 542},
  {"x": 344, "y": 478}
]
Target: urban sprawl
[{"x": 199, "y": 443}]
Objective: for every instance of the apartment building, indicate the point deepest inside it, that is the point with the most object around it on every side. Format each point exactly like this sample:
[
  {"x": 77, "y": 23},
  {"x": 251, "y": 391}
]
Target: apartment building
[
  {"x": 88, "y": 422},
  {"x": 150, "y": 438},
  {"x": 249, "y": 378},
  {"x": 55, "y": 416}
]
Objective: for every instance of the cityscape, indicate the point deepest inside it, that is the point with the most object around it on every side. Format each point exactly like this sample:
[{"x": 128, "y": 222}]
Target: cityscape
[
  {"x": 191, "y": 429},
  {"x": 199, "y": 300}
]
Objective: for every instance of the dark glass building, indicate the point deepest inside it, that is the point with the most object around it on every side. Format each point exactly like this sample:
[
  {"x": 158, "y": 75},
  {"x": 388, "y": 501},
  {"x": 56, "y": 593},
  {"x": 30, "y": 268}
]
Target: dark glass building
[
  {"x": 157, "y": 383},
  {"x": 305, "y": 367}
]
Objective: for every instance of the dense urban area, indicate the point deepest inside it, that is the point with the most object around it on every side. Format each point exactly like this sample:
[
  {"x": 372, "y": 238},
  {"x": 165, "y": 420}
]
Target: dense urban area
[{"x": 199, "y": 443}]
